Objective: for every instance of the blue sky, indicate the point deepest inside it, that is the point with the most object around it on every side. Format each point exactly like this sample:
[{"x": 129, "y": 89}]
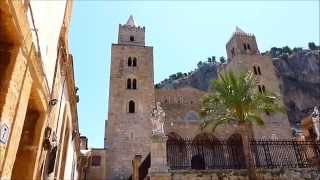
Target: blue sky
[{"x": 181, "y": 32}]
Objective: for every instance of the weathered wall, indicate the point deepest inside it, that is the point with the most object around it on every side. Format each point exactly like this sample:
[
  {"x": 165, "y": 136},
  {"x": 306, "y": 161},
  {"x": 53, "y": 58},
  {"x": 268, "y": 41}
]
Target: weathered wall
[
  {"x": 25, "y": 93},
  {"x": 275, "y": 174},
  {"x": 128, "y": 134},
  {"x": 277, "y": 124},
  {"x": 97, "y": 172},
  {"x": 44, "y": 12},
  {"x": 181, "y": 107}
]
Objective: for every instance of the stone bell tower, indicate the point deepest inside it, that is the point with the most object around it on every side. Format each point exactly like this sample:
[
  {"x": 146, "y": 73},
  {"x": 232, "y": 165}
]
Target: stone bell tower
[
  {"x": 243, "y": 55},
  {"x": 131, "y": 99}
]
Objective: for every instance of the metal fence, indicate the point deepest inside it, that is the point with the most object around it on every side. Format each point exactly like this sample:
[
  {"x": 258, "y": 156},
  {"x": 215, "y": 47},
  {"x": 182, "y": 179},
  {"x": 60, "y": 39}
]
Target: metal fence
[
  {"x": 144, "y": 166},
  {"x": 208, "y": 154},
  {"x": 205, "y": 154},
  {"x": 284, "y": 153}
]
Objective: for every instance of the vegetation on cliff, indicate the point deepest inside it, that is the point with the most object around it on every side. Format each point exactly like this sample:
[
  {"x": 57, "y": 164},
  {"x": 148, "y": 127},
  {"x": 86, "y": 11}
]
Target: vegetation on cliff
[{"x": 298, "y": 70}]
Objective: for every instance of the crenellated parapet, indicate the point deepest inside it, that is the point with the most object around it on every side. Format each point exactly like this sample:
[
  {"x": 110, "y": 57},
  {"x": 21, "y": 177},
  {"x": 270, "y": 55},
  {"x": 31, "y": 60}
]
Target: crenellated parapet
[{"x": 241, "y": 43}]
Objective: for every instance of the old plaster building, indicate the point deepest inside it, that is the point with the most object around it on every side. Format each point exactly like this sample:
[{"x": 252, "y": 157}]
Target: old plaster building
[{"x": 38, "y": 112}]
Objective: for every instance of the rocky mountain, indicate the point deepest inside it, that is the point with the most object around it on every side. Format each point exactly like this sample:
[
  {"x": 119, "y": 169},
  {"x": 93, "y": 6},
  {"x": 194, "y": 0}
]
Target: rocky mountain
[
  {"x": 297, "y": 68},
  {"x": 300, "y": 77},
  {"x": 199, "y": 78}
]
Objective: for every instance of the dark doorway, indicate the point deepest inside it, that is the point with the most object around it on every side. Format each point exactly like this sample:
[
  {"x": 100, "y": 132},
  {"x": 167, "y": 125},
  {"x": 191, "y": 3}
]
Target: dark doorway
[{"x": 197, "y": 162}]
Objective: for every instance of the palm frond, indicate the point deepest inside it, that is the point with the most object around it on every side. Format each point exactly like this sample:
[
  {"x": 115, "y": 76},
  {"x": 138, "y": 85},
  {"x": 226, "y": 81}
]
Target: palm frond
[{"x": 235, "y": 98}]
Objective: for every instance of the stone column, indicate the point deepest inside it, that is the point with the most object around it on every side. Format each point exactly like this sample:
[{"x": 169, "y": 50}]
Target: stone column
[
  {"x": 159, "y": 168},
  {"x": 135, "y": 167}
]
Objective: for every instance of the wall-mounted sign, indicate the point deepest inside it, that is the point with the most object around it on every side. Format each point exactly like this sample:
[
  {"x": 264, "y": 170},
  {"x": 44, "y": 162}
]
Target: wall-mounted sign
[{"x": 4, "y": 133}]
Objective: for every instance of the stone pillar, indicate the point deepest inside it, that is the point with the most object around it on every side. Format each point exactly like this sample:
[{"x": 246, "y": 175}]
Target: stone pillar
[
  {"x": 135, "y": 167},
  {"x": 159, "y": 168}
]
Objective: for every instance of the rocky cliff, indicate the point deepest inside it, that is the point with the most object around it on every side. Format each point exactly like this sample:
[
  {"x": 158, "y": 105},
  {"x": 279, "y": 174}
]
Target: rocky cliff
[
  {"x": 298, "y": 70},
  {"x": 200, "y": 78},
  {"x": 300, "y": 77}
]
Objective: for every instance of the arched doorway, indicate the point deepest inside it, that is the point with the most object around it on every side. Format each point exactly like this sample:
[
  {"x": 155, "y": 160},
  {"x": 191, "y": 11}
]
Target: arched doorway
[
  {"x": 207, "y": 152},
  {"x": 236, "y": 157},
  {"x": 176, "y": 151}
]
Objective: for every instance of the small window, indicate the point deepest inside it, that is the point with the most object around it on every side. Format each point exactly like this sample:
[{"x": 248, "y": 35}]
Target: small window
[
  {"x": 96, "y": 161},
  {"x": 263, "y": 88},
  {"x": 244, "y": 46},
  {"x": 131, "y": 106},
  {"x": 259, "y": 87},
  {"x": 181, "y": 100},
  {"x": 248, "y": 46},
  {"x": 131, "y": 38},
  {"x": 232, "y": 52},
  {"x": 134, "y": 62},
  {"x": 255, "y": 70},
  {"x": 259, "y": 72},
  {"x": 134, "y": 84},
  {"x": 129, "y": 84},
  {"x": 129, "y": 61},
  {"x": 131, "y": 136}
]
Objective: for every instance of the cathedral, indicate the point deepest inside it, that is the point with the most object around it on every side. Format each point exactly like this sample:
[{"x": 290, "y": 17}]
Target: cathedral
[{"x": 132, "y": 97}]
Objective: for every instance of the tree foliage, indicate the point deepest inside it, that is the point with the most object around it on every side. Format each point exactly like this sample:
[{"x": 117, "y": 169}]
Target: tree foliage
[
  {"x": 312, "y": 46},
  {"x": 222, "y": 60},
  {"x": 235, "y": 99}
]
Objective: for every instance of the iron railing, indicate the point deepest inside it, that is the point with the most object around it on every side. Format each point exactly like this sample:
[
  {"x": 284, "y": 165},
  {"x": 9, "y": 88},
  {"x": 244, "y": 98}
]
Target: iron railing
[
  {"x": 205, "y": 154},
  {"x": 144, "y": 167},
  {"x": 284, "y": 153},
  {"x": 222, "y": 154}
]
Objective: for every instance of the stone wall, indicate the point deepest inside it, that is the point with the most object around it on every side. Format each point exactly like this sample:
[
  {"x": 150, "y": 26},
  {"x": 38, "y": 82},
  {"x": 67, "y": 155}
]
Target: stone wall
[
  {"x": 275, "y": 174},
  {"x": 277, "y": 124},
  {"x": 181, "y": 107},
  {"x": 242, "y": 59},
  {"x": 128, "y": 133},
  {"x": 95, "y": 171}
]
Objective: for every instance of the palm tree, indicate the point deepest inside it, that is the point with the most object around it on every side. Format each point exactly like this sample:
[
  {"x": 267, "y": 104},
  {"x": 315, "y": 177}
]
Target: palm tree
[{"x": 235, "y": 99}]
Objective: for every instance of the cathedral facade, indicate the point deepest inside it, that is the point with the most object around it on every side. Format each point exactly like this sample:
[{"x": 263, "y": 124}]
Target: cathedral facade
[{"x": 132, "y": 97}]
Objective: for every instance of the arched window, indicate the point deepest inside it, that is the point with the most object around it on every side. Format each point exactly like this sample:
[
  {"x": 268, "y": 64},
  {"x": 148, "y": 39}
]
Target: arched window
[
  {"x": 131, "y": 38},
  {"x": 232, "y": 52},
  {"x": 263, "y": 88},
  {"x": 134, "y": 62},
  {"x": 131, "y": 106},
  {"x": 259, "y": 72},
  {"x": 129, "y": 61},
  {"x": 129, "y": 84},
  {"x": 259, "y": 87},
  {"x": 235, "y": 151},
  {"x": 248, "y": 45},
  {"x": 244, "y": 46},
  {"x": 134, "y": 84},
  {"x": 255, "y": 70}
]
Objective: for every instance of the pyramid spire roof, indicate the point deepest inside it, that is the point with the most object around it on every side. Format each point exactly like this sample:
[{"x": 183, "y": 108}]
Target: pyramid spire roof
[
  {"x": 240, "y": 31},
  {"x": 130, "y": 21}
]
